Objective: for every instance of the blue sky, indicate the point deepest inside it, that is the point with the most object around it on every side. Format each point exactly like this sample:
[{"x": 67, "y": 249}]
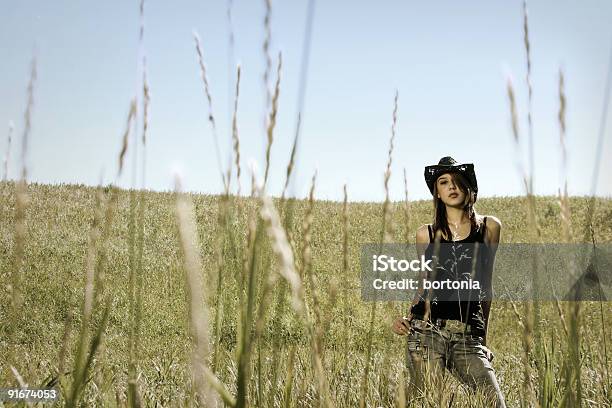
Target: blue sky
[{"x": 449, "y": 61}]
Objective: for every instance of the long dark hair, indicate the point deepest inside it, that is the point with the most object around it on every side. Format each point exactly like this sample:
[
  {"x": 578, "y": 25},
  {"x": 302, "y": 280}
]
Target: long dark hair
[{"x": 440, "y": 222}]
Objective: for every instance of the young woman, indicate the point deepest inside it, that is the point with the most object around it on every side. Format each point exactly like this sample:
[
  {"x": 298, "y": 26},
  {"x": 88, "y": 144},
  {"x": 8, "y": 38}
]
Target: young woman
[{"x": 447, "y": 328}]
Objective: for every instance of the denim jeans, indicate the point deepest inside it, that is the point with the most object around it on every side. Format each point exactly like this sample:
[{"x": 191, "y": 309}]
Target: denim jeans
[{"x": 436, "y": 349}]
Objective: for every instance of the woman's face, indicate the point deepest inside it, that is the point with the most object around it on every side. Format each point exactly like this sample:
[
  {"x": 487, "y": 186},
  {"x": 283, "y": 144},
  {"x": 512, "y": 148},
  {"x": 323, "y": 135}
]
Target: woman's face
[{"x": 449, "y": 191}]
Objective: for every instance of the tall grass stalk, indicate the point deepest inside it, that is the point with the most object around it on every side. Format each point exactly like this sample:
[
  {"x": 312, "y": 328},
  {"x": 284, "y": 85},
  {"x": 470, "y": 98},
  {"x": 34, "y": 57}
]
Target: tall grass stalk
[
  {"x": 280, "y": 302},
  {"x": 271, "y": 121},
  {"x": 84, "y": 355},
  {"x": 134, "y": 275},
  {"x": 269, "y": 285},
  {"x": 136, "y": 228},
  {"x": 21, "y": 202},
  {"x": 282, "y": 248},
  {"x": 548, "y": 387},
  {"x": 125, "y": 139},
  {"x": 64, "y": 347},
  {"x": 219, "y": 291},
  {"x": 198, "y": 312},
  {"x": 301, "y": 92},
  {"x": 406, "y": 210},
  {"x": 292, "y": 157},
  {"x": 386, "y": 236},
  {"x": 527, "y": 45},
  {"x": 307, "y": 273},
  {"x": 225, "y": 237},
  {"x": 266, "y": 50},
  {"x": 27, "y": 119},
  {"x": 306, "y": 255},
  {"x": 277, "y": 327},
  {"x": 142, "y": 200},
  {"x": 235, "y": 138},
  {"x": 289, "y": 379},
  {"x": 572, "y": 396},
  {"x": 286, "y": 209},
  {"x": 400, "y": 398},
  {"x": 346, "y": 312},
  {"x": 571, "y": 368},
  {"x": 231, "y": 59},
  {"x": 222, "y": 237},
  {"x": 589, "y": 230},
  {"x": 565, "y": 213},
  {"x": 92, "y": 257},
  {"x": 247, "y": 300},
  {"x": 7, "y": 155},
  {"x": 387, "y": 229},
  {"x": 526, "y": 323},
  {"x": 21, "y": 197},
  {"x": 211, "y": 117},
  {"x": 592, "y": 202},
  {"x": 345, "y": 235},
  {"x": 146, "y": 100},
  {"x": 533, "y": 222},
  {"x": 102, "y": 257},
  {"x": 406, "y": 223},
  {"x": 97, "y": 293},
  {"x": 97, "y": 259},
  {"x": 562, "y": 135},
  {"x": 84, "y": 361},
  {"x": 92, "y": 300},
  {"x": 21, "y": 382},
  {"x": 136, "y": 238},
  {"x": 136, "y": 219},
  {"x": 516, "y": 133}
]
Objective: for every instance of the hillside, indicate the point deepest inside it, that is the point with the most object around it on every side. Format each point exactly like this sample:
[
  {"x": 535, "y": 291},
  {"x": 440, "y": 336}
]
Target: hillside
[{"x": 58, "y": 220}]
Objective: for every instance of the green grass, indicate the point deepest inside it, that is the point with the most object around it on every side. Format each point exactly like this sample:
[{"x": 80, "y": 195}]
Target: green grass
[{"x": 58, "y": 223}]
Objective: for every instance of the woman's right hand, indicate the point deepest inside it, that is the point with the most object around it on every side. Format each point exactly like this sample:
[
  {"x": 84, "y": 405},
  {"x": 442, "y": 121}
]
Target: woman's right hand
[{"x": 401, "y": 326}]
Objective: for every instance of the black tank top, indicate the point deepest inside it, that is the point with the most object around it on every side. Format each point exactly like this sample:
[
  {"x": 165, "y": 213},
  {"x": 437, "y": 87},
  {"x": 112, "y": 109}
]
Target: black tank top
[{"x": 456, "y": 263}]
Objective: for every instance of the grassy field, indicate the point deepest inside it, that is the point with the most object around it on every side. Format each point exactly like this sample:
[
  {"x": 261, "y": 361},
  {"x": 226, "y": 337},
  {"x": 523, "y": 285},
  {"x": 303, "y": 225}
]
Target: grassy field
[
  {"x": 260, "y": 349},
  {"x": 139, "y": 298}
]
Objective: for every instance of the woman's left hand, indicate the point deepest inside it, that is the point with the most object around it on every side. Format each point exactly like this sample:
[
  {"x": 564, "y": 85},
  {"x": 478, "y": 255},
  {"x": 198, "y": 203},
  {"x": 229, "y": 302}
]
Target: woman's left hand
[{"x": 401, "y": 326}]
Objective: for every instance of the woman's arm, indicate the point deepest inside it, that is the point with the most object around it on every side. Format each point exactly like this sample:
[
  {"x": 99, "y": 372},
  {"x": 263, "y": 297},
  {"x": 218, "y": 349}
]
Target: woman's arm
[
  {"x": 399, "y": 325},
  {"x": 492, "y": 237},
  {"x": 422, "y": 241}
]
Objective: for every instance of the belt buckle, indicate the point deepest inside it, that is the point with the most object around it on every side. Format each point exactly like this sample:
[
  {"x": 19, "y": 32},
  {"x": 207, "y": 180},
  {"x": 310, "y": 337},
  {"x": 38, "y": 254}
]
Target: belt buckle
[
  {"x": 455, "y": 326},
  {"x": 421, "y": 324},
  {"x": 440, "y": 323}
]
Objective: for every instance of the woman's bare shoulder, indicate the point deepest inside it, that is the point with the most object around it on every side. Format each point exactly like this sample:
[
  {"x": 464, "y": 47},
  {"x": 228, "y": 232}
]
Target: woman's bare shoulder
[
  {"x": 493, "y": 222},
  {"x": 493, "y": 231}
]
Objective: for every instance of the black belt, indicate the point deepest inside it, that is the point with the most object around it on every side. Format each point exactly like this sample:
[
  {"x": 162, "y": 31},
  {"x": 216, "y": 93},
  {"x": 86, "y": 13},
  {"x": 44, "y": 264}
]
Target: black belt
[{"x": 453, "y": 324}]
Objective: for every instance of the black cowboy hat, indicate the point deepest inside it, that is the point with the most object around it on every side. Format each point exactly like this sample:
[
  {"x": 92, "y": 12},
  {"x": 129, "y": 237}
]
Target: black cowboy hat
[{"x": 449, "y": 165}]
